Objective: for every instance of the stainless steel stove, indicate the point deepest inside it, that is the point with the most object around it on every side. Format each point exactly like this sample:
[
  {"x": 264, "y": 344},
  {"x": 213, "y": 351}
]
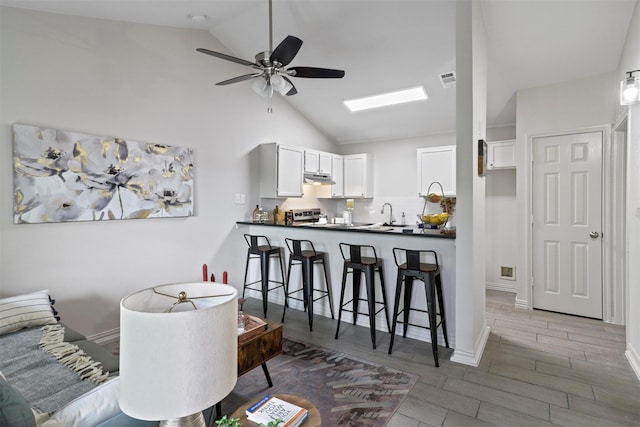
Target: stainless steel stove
[{"x": 306, "y": 215}]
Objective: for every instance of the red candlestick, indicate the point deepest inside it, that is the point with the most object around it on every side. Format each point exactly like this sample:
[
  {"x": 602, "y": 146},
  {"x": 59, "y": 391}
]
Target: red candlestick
[
  {"x": 204, "y": 272},
  {"x": 224, "y": 277}
]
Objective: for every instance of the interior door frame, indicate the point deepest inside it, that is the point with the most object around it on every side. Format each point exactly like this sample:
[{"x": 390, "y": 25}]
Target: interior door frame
[{"x": 613, "y": 178}]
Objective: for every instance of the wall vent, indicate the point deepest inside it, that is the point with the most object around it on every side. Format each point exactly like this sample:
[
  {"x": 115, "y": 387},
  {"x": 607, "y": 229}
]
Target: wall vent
[
  {"x": 448, "y": 79},
  {"x": 508, "y": 273}
]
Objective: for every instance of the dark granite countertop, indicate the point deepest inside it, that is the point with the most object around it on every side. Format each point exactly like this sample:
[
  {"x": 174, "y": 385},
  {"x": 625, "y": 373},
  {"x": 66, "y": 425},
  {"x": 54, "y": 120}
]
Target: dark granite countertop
[{"x": 365, "y": 228}]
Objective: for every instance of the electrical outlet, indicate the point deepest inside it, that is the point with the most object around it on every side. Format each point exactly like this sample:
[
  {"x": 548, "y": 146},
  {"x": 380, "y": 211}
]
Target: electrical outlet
[{"x": 241, "y": 199}]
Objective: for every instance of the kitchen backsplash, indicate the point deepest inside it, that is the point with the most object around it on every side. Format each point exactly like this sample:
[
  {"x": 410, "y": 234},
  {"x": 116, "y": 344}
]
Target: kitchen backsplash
[{"x": 365, "y": 210}]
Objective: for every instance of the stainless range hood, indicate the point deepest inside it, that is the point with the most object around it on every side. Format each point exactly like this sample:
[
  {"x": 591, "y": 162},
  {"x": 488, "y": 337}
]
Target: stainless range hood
[{"x": 317, "y": 179}]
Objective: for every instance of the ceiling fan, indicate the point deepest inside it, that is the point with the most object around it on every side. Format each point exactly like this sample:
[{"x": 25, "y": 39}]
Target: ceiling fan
[{"x": 271, "y": 72}]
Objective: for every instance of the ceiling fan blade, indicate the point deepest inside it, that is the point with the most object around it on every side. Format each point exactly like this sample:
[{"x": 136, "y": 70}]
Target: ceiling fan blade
[
  {"x": 286, "y": 50},
  {"x": 315, "y": 73},
  {"x": 293, "y": 89},
  {"x": 237, "y": 79},
  {"x": 227, "y": 57}
]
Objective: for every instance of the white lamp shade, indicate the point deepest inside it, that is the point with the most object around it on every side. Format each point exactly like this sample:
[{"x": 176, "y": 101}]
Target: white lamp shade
[{"x": 177, "y": 364}]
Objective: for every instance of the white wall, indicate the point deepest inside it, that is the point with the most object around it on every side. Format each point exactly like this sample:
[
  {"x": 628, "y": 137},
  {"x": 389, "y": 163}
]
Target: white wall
[
  {"x": 145, "y": 83},
  {"x": 630, "y": 60},
  {"x": 567, "y": 106}
]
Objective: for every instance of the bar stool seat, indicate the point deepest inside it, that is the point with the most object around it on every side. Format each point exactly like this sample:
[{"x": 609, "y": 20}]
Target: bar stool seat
[
  {"x": 412, "y": 265},
  {"x": 303, "y": 253},
  {"x": 356, "y": 264},
  {"x": 260, "y": 248}
]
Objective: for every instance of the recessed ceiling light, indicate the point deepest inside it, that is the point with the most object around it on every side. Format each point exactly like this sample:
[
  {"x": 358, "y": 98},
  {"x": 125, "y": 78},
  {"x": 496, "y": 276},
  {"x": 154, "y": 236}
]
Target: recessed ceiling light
[
  {"x": 385, "y": 99},
  {"x": 198, "y": 17}
]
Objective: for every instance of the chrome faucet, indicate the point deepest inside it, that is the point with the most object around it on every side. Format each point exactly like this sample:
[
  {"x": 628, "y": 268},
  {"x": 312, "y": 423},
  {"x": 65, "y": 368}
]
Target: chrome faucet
[{"x": 390, "y": 212}]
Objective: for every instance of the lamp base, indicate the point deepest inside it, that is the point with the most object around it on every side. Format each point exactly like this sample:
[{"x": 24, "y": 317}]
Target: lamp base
[{"x": 194, "y": 420}]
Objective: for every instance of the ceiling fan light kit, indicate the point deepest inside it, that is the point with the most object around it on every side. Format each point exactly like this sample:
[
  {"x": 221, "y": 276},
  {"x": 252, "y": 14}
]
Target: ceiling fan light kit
[{"x": 271, "y": 72}]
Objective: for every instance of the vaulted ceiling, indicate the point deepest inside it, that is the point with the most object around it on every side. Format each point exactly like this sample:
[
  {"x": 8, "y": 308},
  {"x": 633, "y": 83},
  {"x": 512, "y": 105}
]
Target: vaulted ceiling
[{"x": 384, "y": 45}]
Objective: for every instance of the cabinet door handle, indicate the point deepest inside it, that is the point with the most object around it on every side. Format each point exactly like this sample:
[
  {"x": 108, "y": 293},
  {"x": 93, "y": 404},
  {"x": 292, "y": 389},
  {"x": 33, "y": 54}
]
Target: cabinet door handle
[{"x": 594, "y": 234}]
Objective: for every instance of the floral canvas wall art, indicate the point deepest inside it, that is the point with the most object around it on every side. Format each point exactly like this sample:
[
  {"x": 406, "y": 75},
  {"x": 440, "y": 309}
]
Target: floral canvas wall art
[{"x": 69, "y": 176}]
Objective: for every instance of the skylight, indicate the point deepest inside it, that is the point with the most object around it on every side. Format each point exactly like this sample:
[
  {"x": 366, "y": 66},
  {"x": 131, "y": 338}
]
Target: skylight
[{"x": 385, "y": 99}]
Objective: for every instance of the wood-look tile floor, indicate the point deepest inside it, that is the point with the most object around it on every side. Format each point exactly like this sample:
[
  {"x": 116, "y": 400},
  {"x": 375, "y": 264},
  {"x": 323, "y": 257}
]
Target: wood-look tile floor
[{"x": 538, "y": 369}]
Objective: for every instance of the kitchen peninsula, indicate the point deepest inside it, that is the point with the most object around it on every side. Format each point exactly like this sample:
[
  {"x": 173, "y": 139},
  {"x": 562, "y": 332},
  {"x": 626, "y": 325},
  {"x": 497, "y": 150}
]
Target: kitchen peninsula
[{"x": 327, "y": 237}]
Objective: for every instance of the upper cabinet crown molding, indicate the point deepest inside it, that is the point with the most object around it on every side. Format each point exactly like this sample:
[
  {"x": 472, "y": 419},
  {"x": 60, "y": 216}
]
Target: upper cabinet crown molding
[{"x": 501, "y": 154}]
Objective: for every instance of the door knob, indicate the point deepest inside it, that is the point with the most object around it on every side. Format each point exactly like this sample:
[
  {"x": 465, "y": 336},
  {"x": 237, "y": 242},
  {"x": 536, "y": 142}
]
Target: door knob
[{"x": 594, "y": 234}]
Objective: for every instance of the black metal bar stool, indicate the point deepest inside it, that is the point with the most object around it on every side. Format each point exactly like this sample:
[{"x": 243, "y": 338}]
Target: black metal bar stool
[
  {"x": 302, "y": 252},
  {"x": 357, "y": 264},
  {"x": 259, "y": 250},
  {"x": 412, "y": 265}
]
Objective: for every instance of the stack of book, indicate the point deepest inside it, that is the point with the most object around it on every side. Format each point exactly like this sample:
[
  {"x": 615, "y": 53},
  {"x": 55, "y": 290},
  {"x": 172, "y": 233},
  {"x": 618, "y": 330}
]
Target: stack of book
[{"x": 271, "y": 408}]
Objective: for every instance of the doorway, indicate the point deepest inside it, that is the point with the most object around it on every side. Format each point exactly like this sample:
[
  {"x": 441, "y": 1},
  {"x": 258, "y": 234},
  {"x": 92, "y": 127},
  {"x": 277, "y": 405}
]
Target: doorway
[{"x": 567, "y": 223}]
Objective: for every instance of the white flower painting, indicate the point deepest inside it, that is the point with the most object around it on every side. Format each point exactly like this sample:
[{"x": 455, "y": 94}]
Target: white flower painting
[{"x": 69, "y": 176}]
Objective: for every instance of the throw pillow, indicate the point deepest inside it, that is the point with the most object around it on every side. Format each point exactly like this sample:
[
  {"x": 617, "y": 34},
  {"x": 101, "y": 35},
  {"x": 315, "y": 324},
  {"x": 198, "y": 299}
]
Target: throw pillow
[
  {"x": 14, "y": 409},
  {"x": 24, "y": 311}
]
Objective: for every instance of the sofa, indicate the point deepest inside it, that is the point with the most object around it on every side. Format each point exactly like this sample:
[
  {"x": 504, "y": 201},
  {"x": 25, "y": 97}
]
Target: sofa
[{"x": 52, "y": 375}]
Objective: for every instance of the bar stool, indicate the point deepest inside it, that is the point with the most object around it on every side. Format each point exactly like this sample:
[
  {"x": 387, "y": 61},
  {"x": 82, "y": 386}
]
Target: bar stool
[
  {"x": 302, "y": 252},
  {"x": 259, "y": 250},
  {"x": 356, "y": 264},
  {"x": 411, "y": 267}
]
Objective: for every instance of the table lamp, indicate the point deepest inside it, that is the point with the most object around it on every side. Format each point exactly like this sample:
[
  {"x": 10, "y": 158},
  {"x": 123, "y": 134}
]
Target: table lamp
[{"x": 178, "y": 351}]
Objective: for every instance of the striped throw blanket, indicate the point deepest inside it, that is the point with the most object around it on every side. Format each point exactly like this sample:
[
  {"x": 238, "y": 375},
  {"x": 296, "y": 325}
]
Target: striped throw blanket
[{"x": 47, "y": 371}]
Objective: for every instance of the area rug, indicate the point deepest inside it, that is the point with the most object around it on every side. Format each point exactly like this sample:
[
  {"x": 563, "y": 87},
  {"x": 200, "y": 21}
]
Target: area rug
[{"x": 347, "y": 391}]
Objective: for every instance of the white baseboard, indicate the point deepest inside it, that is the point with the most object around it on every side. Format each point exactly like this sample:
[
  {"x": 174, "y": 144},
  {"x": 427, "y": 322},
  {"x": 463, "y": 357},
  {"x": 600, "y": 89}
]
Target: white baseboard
[
  {"x": 473, "y": 358},
  {"x": 105, "y": 337},
  {"x": 633, "y": 356},
  {"x": 522, "y": 303},
  {"x": 501, "y": 287}
]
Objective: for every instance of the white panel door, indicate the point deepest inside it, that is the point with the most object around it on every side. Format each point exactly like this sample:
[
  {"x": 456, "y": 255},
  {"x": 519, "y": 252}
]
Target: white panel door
[{"x": 567, "y": 224}]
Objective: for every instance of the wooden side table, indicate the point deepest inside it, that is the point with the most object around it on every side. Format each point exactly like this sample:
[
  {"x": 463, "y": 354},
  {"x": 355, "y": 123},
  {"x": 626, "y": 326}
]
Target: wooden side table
[
  {"x": 257, "y": 349},
  {"x": 313, "y": 419}
]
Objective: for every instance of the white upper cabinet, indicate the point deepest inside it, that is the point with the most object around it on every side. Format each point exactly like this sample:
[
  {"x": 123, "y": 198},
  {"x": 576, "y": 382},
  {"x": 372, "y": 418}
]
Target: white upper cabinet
[
  {"x": 437, "y": 164},
  {"x": 501, "y": 155},
  {"x": 358, "y": 175},
  {"x": 281, "y": 170},
  {"x": 317, "y": 162},
  {"x": 337, "y": 175}
]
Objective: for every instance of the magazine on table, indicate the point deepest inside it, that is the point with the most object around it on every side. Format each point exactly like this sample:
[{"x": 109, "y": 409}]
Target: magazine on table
[{"x": 270, "y": 408}]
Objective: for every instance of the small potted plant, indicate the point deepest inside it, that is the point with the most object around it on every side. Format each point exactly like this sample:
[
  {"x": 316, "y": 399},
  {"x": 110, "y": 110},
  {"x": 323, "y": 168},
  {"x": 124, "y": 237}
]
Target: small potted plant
[
  {"x": 228, "y": 422},
  {"x": 235, "y": 422}
]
